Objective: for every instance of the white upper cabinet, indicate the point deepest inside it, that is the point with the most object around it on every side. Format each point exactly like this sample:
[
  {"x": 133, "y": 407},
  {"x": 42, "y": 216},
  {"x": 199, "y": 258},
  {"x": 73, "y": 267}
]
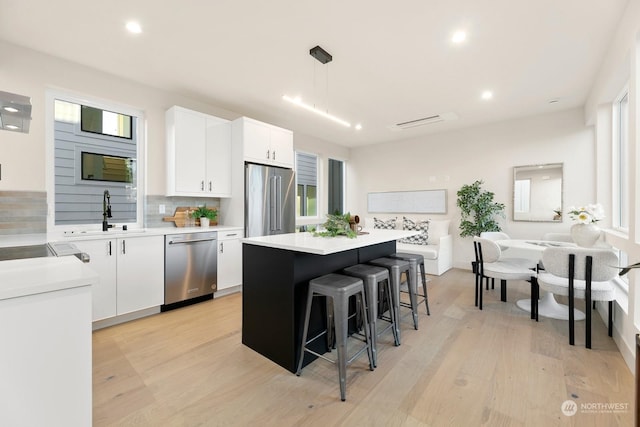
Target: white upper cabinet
[
  {"x": 198, "y": 154},
  {"x": 264, "y": 143}
]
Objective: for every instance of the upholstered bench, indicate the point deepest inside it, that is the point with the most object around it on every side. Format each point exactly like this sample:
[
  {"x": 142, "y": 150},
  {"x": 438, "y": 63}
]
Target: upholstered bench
[{"x": 437, "y": 250}]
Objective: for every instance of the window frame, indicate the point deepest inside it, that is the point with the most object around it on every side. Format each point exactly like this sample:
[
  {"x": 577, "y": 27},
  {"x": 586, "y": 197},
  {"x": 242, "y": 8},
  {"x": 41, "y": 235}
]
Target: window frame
[
  {"x": 50, "y": 96},
  {"x": 620, "y": 165}
]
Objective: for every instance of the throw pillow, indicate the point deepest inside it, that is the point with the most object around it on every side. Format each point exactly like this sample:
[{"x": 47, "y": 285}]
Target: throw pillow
[
  {"x": 418, "y": 239},
  {"x": 381, "y": 224}
]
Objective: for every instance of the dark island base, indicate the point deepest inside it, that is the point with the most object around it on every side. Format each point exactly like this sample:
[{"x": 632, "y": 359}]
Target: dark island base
[{"x": 274, "y": 293}]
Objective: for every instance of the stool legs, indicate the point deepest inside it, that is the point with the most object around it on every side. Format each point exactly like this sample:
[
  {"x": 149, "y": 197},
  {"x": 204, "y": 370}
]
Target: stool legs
[
  {"x": 337, "y": 292},
  {"x": 424, "y": 287}
]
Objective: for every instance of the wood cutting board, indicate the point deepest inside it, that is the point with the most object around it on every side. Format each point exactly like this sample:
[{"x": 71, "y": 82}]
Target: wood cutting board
[{"x": 180, "y": 216}]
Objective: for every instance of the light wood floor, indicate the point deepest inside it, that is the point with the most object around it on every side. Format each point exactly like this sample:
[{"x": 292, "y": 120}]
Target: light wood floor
[{"x": 463, "y": 367}]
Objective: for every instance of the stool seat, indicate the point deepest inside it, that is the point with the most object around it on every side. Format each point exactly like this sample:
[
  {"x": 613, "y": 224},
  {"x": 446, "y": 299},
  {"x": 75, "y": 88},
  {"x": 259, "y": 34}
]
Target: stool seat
[
  {"x": 372, "y": 275},
  {"x": 338, "y": 289},
  {"x": 416, "y": 260}
]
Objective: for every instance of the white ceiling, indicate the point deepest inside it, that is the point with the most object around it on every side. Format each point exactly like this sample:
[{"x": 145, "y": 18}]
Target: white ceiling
[{"x": 392, "y": 61}]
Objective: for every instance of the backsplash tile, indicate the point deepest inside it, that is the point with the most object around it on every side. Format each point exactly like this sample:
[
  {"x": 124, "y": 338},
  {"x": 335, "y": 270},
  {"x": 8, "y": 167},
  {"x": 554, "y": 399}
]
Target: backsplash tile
[
  {"x": 23, "y": 212},
  {"x": 154, "y": 219}
]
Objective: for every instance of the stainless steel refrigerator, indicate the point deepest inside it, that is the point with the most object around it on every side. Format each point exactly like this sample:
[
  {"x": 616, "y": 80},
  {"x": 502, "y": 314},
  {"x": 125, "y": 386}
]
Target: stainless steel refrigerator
[{"x": 269, "y": 200}]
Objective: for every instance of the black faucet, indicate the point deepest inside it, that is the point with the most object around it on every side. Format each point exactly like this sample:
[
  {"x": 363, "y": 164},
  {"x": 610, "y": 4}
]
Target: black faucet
[{"x": 106, "y": 210}]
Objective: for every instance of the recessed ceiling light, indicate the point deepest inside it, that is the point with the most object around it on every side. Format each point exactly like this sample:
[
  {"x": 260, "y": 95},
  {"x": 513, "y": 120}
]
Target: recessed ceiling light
[
  {"x": 134, "y": 27},
  {"x": 358, "y": 126},
  {"x": 11, "y": 109},
  {"x": 487, "y": 94},
  {"x": 459, "y": 36}
]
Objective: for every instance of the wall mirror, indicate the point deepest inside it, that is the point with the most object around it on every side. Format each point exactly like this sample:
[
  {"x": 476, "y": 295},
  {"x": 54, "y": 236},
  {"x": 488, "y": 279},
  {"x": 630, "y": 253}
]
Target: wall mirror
[{"x": 537, "y": 193}]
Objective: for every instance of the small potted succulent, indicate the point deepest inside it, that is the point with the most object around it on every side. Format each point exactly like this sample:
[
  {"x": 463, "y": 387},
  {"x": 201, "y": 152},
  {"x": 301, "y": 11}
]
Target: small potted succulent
[{"x": 205, "y": 215}]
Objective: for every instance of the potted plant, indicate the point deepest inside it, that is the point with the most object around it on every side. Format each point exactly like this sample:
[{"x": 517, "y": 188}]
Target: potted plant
[
  {"x": 478, "y": 210},
  {"x": 205, "y": 215}
]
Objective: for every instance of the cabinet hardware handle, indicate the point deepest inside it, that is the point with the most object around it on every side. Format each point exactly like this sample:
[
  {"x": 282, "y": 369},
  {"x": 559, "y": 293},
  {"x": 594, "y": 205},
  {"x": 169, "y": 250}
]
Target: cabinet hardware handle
[
  {"x": 274, "y": 154},
  {"x": 109, "y": 247},
  {"x": 124, "y": 249},
  {"x": 232, "y": 234},
  {"x": 221, "y": 247},
  {"x": 268, "y": 154},
  {"x": 209, "y": 185},
  {"x": 202, "y": 185}
]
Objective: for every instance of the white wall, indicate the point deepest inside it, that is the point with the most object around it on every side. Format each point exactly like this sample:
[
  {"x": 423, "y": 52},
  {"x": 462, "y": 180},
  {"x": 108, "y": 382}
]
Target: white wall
[
  {"x": 489, "y": 153},
  {"x": 30, "y": 73}
]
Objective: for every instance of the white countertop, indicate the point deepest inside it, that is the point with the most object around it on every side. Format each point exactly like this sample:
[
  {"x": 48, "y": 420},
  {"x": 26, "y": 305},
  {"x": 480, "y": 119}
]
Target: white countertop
[
  {"x": 307, "y": 242},
  {"x": 23, "y": 277},
  {"x": 139, "y": 232}
]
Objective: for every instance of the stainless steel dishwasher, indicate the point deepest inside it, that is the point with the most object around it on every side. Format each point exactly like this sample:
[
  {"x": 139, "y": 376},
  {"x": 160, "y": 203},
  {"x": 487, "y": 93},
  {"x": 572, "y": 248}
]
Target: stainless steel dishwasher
[{"x": 190, "y": 268}]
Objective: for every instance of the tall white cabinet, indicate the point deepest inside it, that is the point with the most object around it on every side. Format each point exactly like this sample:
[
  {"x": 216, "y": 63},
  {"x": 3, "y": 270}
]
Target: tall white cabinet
[
  {"x": 198, "y": 154},
  {"x": 131, "y": 271}
]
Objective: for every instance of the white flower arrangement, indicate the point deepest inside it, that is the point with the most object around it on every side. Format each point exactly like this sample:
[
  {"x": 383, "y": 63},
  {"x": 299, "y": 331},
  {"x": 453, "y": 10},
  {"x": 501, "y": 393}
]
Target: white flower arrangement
[{"x": 587, "y": 215}]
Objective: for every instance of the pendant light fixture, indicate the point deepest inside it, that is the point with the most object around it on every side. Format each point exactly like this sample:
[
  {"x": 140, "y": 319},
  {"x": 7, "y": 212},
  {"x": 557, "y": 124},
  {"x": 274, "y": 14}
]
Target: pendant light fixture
[{"x": 324, "y": 58}]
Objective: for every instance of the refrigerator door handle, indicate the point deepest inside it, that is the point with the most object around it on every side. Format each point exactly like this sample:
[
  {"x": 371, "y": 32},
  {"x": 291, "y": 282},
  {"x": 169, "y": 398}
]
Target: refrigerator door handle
[
  {"x": 278, "y": 203},
  {"x": 272, "y": 203}
]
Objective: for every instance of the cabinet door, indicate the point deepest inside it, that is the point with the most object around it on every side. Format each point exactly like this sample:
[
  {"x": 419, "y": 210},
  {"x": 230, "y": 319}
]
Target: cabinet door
[
  {"x": 282, "y": 147},
  {"x": 140, "y": 273},
  {"x": 103, "y": 262},
  {"x": 190, "y": 146},
  {"x": 256, "y": 139},
  {"x": 229, "y": 263},
  {"x": 218, "y": 158}
]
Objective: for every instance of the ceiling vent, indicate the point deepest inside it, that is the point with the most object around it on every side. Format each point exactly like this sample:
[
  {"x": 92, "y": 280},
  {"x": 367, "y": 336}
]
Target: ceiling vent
[{"x": 425, "y": 121}]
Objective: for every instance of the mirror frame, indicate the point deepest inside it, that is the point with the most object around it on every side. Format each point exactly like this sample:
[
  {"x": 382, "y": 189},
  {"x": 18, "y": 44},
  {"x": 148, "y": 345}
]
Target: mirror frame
[{"x": 516, "y": 169}]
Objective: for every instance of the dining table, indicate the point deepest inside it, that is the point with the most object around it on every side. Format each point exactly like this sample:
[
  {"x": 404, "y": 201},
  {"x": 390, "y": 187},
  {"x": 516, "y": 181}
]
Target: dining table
[{"x": 533, "y": 249}]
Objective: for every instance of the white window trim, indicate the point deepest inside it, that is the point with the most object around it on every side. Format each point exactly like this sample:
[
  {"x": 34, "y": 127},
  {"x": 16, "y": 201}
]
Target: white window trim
[
  {"x": 615, "y": 158},
  {"x": 57, "y": 231},
  {"x": 320, "y": 207}
]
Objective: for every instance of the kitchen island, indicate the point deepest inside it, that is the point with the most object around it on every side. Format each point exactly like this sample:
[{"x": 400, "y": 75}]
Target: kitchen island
[{"x": 276, "y": 273}]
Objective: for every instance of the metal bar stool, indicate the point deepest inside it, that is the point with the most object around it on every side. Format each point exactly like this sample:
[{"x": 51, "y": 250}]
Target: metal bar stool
[
  {"x": 396, "y": 267},
  {"x": 371, "y": 276},
  {"x": 415, "y": 261},
  {"x": 339, "y": 288}
]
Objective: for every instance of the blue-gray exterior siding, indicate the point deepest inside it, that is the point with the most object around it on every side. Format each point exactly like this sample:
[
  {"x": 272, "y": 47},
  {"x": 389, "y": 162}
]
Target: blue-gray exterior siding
[{"x": 81, "y": 203}]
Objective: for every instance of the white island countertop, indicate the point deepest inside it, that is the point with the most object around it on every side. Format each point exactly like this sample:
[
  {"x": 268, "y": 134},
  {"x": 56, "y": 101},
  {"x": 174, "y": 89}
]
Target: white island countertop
[
  {"x": 23, "y": 277},
  {"x": 307, "y": 242}
]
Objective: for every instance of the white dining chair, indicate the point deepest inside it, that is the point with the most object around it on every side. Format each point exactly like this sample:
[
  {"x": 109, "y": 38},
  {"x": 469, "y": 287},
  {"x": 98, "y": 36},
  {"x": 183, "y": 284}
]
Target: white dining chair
[
  {"x": 490, "y": 264},
  {"x": 584, "y": 273}
]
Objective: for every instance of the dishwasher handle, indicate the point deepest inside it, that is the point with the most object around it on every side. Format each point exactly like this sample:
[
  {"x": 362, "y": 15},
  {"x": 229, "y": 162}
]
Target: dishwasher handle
[{"x": 176, "y": 242}]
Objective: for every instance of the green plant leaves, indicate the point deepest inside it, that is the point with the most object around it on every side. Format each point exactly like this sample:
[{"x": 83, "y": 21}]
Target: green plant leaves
[
  {"x": 337, "y": 225},
  {"x": 478, "y": 210}
]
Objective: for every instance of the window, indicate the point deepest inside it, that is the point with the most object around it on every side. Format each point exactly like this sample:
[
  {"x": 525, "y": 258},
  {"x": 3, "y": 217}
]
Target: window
[
  {"x": 306, "y": 184},
  {"x": 96, "y": 120},
  {"x": 94, "y": 149},
  {"x": 620, "y": 162},
  {"x": 336, "y": 186}
]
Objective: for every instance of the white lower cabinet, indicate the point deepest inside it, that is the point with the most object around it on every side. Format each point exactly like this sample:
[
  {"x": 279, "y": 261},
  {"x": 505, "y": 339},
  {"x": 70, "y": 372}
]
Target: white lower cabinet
[
  {"x": 131, "y": 271},
  {"x": 229, "y": 259}
]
